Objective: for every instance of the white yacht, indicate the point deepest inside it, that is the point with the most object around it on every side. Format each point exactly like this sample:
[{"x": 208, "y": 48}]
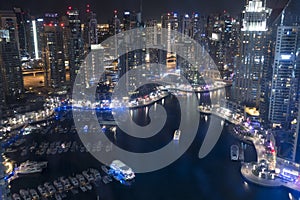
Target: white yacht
[
  {"x": 30, "y": 167},
  {"x": 120, "y": 171},
  {"x": 177, "y": 134}
]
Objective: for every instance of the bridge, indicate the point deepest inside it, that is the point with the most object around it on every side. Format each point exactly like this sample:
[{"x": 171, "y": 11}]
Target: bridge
[{"x": 33, "y": 72}]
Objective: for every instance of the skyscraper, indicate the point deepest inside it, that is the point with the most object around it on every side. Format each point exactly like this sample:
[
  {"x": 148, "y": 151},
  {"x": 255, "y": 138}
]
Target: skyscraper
[
  {"x": 170, "y": 21},
  {"x": 93, "y": 30},
  {"x": 24, "y": 32},
  {"x": 130, "y": 60},
  {"x": 253, "y": 50},
  {"x": 37, "y": 32},
  {"x": 286, "y": 67},
  {"x": 10, "y": 64},
  {"x": 76, "y": 50},
  {"x": 284, "y": 94},
  {"x": 9, "y": 22},
  {"x": 53, "y": 51},
  {"x": 223, "y": 32},
  {"x": 156, "y": 54}
]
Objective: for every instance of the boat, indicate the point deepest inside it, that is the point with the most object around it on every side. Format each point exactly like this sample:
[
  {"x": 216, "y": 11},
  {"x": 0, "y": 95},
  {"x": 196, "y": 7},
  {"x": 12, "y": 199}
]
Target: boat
[
  {"x": 74, "y": 181},
  {"x": 105, "y": 169},
  {"x": 50, "y": 188},
  {"x": 88, "y": 177},
  {"x": 10, "y": 150},
  {"x": 80, "y": 178},
  {"x": 25, "y": 194},
  {"x": 234, "y": 152},
  {"x": 57, "y": 196},
  {"x": 121, "y": 172},
  {"x": 58, "y": 185},
  {"x": 42, "y": 191},
  {"x": 177, "y": 134},
  {"x": 83, "y": 189},
  {"x": 106, "y": 179},
  {"x": 16, "y": 196},
  {"x": 34, "y": 194},
  {"x": 96, "y": 173},
  {"x": 89, "y": 186},
  {"x": 30, "y": 167}
]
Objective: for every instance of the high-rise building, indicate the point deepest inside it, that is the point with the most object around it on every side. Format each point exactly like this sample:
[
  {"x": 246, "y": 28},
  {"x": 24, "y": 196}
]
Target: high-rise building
[
  {"x": 285, "y": 76},
  {"x": 185, "y": 25},
  {"x": 223, "y": 33},
  {"x": 248, "y": 74},
  {"x": 66, "y": 41},
  {"x": 4, "y": 35},
  {"x": 10, "y": 62},
  {"x": 24, "y": 32},
  {"x": 131, "y": 60},
  {"x": 37, "y": 35},
  {"x": 286, "y": 68},
  {"x": 155, "y": 55},
  {"x": 198, "y": 24},
  {"x": 92, "y": 70},
  {"x": 170, "y": 21},
  {"x": 93, "y": 30},
  {"x": 11, "y": 65},
  {"x": 130, "y": 20},
  {"x": 9, "y": 22},
  {"x": 284, "y": 91},
  {"x": 115, "y": 24},
  {"x": 76, "y": 51},
  {"x": 296, "y": 153},
  {"x": 53, "y": 51},
  {"x": 103, "y": 32}
]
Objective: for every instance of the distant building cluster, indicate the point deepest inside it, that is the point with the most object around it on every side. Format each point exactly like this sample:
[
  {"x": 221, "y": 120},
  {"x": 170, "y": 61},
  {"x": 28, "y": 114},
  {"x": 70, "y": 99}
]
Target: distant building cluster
[{"x": 258, "y": 52}]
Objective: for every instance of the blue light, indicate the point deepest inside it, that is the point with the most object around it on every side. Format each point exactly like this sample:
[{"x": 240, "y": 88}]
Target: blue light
[{"x": 286, "y": 57}]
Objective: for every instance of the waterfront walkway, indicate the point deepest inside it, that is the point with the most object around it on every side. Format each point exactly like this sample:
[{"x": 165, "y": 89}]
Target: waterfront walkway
[{"x": 260, "y": 147}]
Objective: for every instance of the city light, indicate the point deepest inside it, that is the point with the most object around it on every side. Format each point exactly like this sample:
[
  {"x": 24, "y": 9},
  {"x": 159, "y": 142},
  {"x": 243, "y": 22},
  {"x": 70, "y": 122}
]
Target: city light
[
  {"x": 35, "y": 40},
  {"x": 63, "y": 98},
  {"x": 286, "y": 57}
]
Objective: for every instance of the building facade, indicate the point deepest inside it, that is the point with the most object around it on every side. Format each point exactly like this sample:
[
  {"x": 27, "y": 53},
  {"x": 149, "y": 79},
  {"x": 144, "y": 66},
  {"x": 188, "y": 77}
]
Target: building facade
[{"x": 248, "y": 73}]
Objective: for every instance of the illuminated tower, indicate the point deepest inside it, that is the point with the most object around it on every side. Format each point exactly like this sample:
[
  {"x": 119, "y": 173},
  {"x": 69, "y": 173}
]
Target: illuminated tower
[
  {"x": 24, "y": 33},
  {"x": 53, "y": 51},
  {"x": 76, "y": 51},
  {"x": 93, "y": 30},
  {"x": 131, "y": 60},
  {"x": 37, "y": 31},
  {"x": 10, "y": 62},
  {"x": 253, "y": 50},
  {"x": 284, "y": 99},
  {"x": 170, "y": 21}
]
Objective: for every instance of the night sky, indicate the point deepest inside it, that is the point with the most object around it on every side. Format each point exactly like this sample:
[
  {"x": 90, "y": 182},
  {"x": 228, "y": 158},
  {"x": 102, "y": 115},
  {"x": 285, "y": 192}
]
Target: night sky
[{"x": 151, "y": 8}]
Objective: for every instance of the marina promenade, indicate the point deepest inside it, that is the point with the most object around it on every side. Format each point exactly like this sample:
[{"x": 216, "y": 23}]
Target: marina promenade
[{"x": 267, "y": 178}]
